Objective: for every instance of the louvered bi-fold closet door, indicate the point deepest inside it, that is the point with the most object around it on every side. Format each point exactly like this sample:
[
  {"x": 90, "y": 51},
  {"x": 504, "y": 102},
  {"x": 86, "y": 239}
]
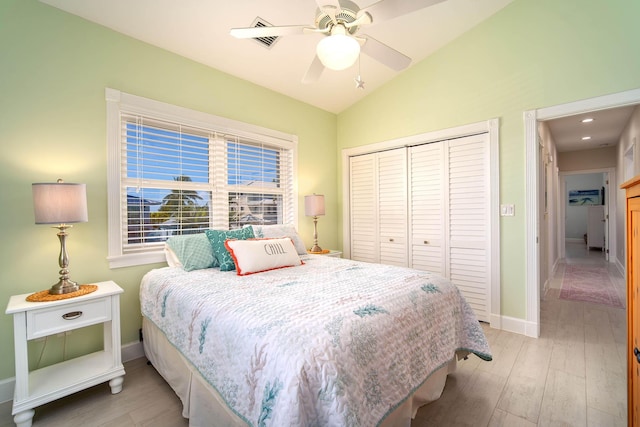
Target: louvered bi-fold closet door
[
  {"x": 378, "y": 207},
  {"x": 468, "y": 220},
  {"x": 363, "y": 206},
  {"x": 449, "y": 215},
  {"x": 428, "y": 233},
  {"x": 392, "y": 206}
]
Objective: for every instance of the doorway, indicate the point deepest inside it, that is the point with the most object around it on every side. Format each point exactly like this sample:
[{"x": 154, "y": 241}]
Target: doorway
[
  {"x": 586, "y": 222},
  {"x": 534, "y": 182}
]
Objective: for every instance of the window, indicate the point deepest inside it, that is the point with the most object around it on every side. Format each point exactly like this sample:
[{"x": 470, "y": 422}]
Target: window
[{"x": 174, "y": 171}]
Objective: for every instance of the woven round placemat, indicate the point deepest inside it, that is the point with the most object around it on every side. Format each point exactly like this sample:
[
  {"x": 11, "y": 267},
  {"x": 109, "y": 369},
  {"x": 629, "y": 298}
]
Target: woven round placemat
[{"x": 43, "y": 296}]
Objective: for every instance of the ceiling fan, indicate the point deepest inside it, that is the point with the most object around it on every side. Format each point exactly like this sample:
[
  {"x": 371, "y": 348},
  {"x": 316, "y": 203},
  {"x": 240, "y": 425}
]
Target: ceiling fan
[{"x": 340, "y": 21}]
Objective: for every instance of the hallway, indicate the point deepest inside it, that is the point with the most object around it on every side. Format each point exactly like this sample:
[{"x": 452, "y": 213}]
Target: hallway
[
  {"x": 576, "y": 255},
  {"x": 591, "y": 339}
]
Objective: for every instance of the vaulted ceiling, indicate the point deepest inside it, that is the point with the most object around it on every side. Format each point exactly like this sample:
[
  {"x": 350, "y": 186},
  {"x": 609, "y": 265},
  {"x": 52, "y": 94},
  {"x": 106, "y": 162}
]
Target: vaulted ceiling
[{"x": 199, "y": 30}]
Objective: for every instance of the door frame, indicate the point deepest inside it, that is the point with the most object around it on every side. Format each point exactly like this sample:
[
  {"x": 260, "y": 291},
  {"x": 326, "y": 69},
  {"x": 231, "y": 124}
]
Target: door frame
[
  {"x": 532, "y": 248},
  {"x": 610, "y": 210}
]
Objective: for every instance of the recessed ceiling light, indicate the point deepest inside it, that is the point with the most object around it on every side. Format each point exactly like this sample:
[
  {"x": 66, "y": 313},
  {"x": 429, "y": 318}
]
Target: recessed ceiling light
[
  {"x": 585, "y": 138},
  {"x": 587, "y": 120}
]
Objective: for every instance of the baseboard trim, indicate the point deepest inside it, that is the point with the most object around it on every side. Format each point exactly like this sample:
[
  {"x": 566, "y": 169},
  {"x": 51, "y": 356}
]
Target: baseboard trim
[
  {"x": 574, "y": 240},
  {"x": 554, "y": 270},
  {"x": 546, "y": 287},
  {"x": 620, "y": 267},
  {"x": 517, "y": 326},
  {"x": 130, "y": 351},
  {"x": 6, "y": 389}
]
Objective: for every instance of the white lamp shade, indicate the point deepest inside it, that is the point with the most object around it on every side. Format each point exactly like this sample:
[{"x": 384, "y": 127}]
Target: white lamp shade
[
  {"x": 59, "y": 203},
  {"x": 338, "y": 51},
  {"x": 314, "y": 205}
]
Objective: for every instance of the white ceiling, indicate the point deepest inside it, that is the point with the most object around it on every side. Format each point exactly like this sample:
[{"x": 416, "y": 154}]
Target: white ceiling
[
  {"x": 604, "y": 130},
  {"x": 199, "y": 30}
]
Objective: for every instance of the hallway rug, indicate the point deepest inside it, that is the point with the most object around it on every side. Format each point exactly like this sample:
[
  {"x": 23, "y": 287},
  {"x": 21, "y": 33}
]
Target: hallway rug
[{"x": 589, "y": 283}]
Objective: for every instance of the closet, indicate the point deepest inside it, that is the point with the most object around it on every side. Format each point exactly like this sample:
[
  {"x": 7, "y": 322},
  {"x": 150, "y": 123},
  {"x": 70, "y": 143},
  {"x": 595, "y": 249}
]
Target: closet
[{"x": 426, "y": 206}]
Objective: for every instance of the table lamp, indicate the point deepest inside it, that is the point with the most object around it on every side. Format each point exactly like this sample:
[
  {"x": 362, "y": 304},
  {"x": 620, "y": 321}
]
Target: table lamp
[
  {"x": 60, "y": 203},
  {"x": 314, "y": 206}
]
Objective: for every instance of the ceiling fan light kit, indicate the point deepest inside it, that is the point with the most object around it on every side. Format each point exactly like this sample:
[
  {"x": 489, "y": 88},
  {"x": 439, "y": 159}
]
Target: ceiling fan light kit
[
  {"x": 340, "y": 21},
  {"x": 338, "y": 51}
]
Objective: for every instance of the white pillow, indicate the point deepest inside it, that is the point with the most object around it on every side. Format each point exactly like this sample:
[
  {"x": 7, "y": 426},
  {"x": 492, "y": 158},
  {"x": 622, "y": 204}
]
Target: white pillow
[
  {"x": 281, "y": 230},
  {"x": 256, "y": 255},
  {"x": 171, "y": 257}
]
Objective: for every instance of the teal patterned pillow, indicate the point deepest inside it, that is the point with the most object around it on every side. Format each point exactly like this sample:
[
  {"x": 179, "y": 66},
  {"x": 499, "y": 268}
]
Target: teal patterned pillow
[
  {"x": 217, "y": 238},
  {"x": 193, "y": 251}
]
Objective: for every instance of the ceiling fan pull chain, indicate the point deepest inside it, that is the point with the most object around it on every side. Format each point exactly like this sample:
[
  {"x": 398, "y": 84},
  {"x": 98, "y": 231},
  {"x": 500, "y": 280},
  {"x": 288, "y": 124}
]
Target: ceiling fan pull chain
[{"x": 359, "y": 81}]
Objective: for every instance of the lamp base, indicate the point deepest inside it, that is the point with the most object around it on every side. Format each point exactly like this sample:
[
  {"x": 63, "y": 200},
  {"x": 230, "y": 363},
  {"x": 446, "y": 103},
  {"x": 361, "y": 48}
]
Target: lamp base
[
  {"x": 315, "y": 249},
  {"x": 64, "y": 286}
]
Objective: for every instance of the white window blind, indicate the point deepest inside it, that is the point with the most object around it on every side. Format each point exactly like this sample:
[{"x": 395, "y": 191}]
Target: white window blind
[{"x": 177, "y": 174}]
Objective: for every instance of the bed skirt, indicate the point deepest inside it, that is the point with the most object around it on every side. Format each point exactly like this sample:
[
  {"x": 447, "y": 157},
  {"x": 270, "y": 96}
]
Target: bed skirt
[{"x": 201, "y": 403}]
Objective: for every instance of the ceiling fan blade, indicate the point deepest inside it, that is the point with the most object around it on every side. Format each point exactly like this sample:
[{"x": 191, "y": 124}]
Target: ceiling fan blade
[
  {"x": 335, "y": 3},
  {"x": 256, "y": 32},
  {"x": 313, "y": 30},
  {"x": 330, "y": 7},
  {"x": 362, "y": 19},
  {"x": 385, "y": 54},
  {"x": 313, "y": 73},
  {"x": 389, "y": 9}
]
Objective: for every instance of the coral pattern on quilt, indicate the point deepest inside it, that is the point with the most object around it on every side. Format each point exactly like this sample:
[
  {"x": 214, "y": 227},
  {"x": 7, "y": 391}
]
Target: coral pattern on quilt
[{"x": 330, "y": 342}]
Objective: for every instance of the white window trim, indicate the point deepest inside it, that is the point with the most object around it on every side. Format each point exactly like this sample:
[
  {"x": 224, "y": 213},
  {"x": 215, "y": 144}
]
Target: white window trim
[{"x": 118, "y": 102}]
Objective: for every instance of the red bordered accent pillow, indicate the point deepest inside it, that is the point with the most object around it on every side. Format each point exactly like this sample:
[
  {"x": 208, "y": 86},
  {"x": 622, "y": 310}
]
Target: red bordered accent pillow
[{"x": 257, "y": 255}]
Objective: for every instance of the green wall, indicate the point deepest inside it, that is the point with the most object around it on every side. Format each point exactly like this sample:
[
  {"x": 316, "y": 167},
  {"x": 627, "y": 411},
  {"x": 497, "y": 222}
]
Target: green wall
[
  {"x": 532, "y": 54},
  {"x": 54, "y": 68}
]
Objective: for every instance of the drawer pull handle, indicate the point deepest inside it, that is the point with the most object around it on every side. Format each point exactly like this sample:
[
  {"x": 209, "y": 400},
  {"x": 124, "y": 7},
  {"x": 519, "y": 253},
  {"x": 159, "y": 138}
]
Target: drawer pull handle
[
  {"x": 391, "y": 240},
  {"x": 72, "y": 315}
]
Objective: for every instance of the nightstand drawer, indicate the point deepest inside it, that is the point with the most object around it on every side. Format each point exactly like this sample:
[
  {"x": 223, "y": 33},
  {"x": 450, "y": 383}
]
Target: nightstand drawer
[{"x": 41, "y": 323}]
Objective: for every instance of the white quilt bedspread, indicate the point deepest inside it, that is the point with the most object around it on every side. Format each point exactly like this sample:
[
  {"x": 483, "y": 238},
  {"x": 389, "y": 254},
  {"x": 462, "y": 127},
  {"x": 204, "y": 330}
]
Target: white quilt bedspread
[{"x": 333, "y": 342}]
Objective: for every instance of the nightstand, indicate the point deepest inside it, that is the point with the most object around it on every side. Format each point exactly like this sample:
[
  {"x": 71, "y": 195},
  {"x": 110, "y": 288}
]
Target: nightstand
[
  {"x": 33, "y": 320},
  {"x": 331, "y": 253}
]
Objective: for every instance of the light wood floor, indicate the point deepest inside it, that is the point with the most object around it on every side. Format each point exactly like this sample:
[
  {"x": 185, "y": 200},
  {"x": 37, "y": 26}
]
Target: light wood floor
[{"x": 573, "y": 375}]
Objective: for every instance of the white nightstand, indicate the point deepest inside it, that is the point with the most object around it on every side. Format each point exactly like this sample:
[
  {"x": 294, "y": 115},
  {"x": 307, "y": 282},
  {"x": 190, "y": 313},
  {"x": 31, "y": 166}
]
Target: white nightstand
[{"x": 33, "y": 320}]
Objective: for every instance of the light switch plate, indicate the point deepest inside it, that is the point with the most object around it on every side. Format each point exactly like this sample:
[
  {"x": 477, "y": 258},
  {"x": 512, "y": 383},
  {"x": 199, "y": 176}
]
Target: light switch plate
[{"x": 507, "y": 210}]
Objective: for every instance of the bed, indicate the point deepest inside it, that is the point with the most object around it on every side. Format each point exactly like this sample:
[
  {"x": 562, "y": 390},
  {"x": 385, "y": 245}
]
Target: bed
[{"x": 327, "y": 342}]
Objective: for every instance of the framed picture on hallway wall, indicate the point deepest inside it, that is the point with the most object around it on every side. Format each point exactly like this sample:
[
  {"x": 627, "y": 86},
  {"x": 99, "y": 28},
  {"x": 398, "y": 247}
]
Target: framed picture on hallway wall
[{"x": 584, "y": 197}]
